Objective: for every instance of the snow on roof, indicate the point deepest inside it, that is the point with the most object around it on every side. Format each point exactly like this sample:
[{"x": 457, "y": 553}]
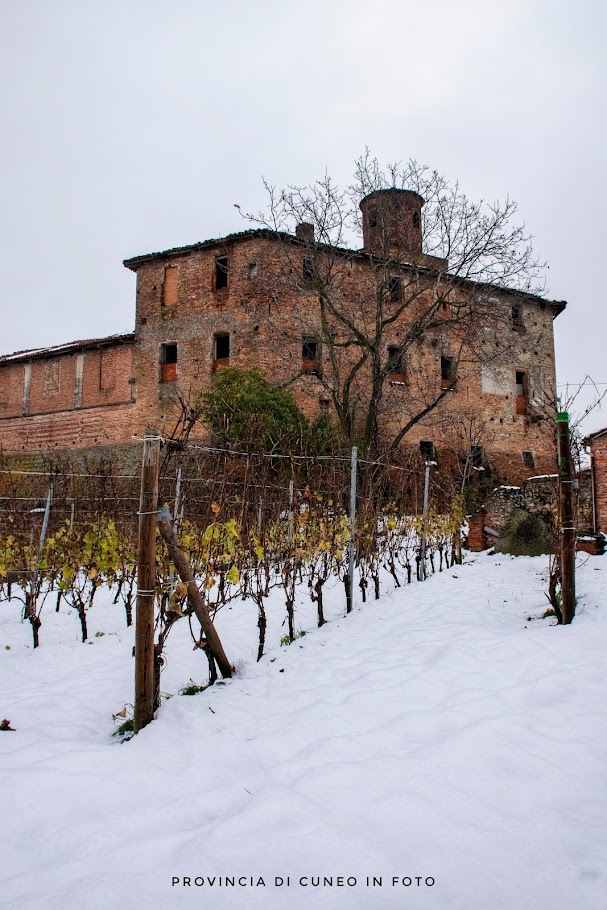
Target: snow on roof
[
  {"x": 69, "y": 346},
  {"x": 596, "y": 434}
]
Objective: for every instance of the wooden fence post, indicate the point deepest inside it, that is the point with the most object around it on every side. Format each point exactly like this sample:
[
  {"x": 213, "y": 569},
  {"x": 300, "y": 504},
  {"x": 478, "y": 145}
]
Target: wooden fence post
[
  {"x": 352, "y": 541},
  {"x": 421, "y": 569},
  {"x": 146, "y": 582},
  {"x": 567, "y": 515}
]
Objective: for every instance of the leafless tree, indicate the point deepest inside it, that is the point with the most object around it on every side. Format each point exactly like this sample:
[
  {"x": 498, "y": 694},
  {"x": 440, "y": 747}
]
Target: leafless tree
[{"x": 383, "y": 315}]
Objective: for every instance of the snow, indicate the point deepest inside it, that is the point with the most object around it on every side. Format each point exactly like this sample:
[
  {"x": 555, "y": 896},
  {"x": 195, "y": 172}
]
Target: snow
[{"x": 445, "y": 731}]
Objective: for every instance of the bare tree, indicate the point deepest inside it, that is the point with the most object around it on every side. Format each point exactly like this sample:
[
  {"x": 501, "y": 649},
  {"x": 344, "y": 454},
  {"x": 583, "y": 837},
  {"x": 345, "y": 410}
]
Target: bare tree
[{"x": 384, "y": 314}]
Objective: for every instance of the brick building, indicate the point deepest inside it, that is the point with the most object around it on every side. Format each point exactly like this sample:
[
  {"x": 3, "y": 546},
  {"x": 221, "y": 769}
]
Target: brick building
[
  {"x": 251, "y": 299},
  {"x": 598, "y": 465}
]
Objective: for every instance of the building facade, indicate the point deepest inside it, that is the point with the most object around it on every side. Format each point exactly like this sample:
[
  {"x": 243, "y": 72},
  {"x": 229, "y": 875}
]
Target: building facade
[
  {"x": 252, "y": 299},
  {"x": 597, "y": 443}
]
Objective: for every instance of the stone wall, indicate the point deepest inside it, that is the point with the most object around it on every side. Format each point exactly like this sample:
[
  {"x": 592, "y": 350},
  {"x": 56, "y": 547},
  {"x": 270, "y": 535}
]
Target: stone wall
[{"x": 537, "y": 496}]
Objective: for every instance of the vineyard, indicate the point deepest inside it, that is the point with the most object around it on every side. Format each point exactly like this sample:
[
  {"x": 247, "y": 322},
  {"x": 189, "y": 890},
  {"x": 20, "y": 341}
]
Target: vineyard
[
  {"x": 446, "y": 712},
  {"x": 244, "y": 525}
]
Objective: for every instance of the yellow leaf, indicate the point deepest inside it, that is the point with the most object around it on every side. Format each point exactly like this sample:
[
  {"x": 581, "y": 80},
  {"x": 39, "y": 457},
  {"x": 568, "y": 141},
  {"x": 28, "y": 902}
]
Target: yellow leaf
[
  {"x": 233, "y": 575},
  {"x": 259, "y": 552},
  {"x": 214, "y": 508}
]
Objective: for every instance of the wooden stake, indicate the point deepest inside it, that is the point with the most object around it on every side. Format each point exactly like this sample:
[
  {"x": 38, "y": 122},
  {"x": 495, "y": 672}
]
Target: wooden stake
[
  {"x": 567, "y": 514},
  {"x": 352, "y": 541},
  {"x": 146, "y": 583},
  {"x": 184, "y": 571},
  {"x": 421, "y": 569}
]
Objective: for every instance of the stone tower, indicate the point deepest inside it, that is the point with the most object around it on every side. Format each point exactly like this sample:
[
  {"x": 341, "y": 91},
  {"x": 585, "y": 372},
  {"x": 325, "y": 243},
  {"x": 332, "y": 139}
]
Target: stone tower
[{"x": 392, "y": 223}]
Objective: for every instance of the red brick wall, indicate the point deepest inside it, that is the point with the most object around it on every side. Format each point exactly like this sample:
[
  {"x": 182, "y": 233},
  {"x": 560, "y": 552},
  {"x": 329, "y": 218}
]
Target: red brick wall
[
  {"x": 61, "y": 416},
  {"x": 598, "y": 447},
  {"x": 11, "y": 390}
]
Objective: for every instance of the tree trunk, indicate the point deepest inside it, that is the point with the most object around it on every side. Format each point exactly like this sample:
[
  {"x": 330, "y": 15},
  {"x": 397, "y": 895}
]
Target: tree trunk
[
  {"x": 35, "y": 624},
  {"x": 261, "y": 624},
  {"x": 83, "y": 626},
  {"x": 32, "y": 616},
  {"x": 319, "y": 603}
]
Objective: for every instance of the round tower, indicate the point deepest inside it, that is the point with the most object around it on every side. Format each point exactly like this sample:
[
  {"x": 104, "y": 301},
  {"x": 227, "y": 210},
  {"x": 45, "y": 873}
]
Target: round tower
[{"x": 392, "y": 222}]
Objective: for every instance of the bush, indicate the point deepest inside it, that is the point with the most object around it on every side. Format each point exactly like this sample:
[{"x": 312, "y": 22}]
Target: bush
[
  {"x": 244, "y": 411},
  {"x": 525, "y": 535}
]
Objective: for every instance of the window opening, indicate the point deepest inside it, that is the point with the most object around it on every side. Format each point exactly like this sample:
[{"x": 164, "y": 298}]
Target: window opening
[
  {"x": 221, "y": 352},
  {"x": 309, "y": 268},
  {"x": 221, "y": 272},
  {"x": 394, "y": 289},
  {"x": 426, "y": 448},
  {"x": 309, "y": 355},
  {"x": 521, "y": 393},
  {"x": 517, "y": 315},
  {"x": 416, "y": 220},
  {"x": 528, "y": 459},
  {"x": 252, "y": 270},
  {"x": 396, "y": 368},
  {"x": 372, "y": 218},
  {"x": 447, "y": 371},
  {"x": 168, "y": 362}
]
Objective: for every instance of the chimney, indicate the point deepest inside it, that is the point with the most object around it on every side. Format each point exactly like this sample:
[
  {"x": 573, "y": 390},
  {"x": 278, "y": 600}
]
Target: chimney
[{"x": 305, "y": 232}]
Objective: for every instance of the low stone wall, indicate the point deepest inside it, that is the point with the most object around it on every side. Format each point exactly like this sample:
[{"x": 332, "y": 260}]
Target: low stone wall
[{"x": 538, "y": 496}]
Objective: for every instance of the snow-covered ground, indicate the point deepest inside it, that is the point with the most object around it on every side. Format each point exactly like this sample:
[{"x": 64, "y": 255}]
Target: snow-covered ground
[{"x": 445, "y": 732}]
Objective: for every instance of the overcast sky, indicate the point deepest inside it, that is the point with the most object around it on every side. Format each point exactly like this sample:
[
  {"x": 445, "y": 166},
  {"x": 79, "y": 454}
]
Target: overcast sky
[{"x": 131, "y": 126}]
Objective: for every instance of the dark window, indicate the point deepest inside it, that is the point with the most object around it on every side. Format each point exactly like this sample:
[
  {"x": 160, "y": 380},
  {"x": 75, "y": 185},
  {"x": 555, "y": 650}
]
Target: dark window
[
  {"x": 252, "y": 270},
  {"x": 520, "y": 384},
  {"x": 528, "y": 460},
  {"x": 477, "y": 456},
  {"x": 394, "y": 289},
  {"x": 521, "y": 392},
  {"x": 309, "y": 355},
  {"x": 169, "y": 353},
  {"x": 221, "y": 351},
  {"x": 416, "y": 220},
  {"x": 517, "y": 315},
  {"x": 372, "y": 218},
  {"x": 221, "y": 272},
  {"x": 395, "y": 364},
  {"x": 222, "y": 347},
  {"x": 447, "y": 371},
  {"x": 426, "y": 448},
  {"x": 168, "y": 362},
  {"x": 309, "y": 268}
]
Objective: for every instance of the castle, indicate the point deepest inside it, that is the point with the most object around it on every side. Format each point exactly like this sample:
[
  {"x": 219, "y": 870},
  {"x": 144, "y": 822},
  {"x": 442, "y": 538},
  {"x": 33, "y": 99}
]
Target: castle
[{"x": 252, "y": 299}]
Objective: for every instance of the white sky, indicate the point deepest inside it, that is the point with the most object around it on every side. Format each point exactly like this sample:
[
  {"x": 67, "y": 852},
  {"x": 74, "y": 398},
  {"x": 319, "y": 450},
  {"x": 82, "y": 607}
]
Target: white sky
[{"x": 134, "y": 125}]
